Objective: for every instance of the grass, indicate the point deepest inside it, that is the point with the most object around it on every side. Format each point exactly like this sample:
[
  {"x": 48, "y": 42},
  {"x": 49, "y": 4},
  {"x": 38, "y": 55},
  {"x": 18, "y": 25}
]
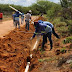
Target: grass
[
  {"x": 47, "y": 60},
  {"x": 63, "y": 50},
  {"x": 63, "y": 31},
  {"x": 40, "y": 60},
  {"x": 50, "y": 59},
  {"x": 60, "y": 24},
  {"x": 69, "y": 22},
  {"x": 67, "y": 40}
]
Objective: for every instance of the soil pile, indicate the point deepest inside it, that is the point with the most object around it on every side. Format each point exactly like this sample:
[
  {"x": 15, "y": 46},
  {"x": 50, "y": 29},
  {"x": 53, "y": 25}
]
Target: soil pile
[{"x": 14, "y": 49}]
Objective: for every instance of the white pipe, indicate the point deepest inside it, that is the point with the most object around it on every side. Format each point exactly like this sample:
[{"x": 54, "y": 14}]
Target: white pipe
[
  {"x": 27, "y": 67},
  {"x": 36, "y": 43},
  {"x": 35, "y": 46},
  {"x": 14, "y": 9}
]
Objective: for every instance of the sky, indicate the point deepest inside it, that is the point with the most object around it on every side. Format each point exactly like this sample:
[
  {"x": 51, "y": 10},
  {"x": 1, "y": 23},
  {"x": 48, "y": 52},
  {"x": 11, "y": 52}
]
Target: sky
[{"x": 23, "y": 2}]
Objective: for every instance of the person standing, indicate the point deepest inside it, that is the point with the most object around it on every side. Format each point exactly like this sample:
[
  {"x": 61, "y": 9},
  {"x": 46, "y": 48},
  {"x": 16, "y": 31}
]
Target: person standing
[
  {"x": 17, "y": 19},
  {"x": 27, "y": 18},
  {"x": 45, "y": 31}
]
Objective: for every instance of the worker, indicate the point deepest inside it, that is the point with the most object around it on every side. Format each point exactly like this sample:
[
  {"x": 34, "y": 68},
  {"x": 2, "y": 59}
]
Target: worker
[
  {"x": 45, "y": 31},
  {"x": 22, "y": 18},
  {"x": 17, "y": 19},
  {"x": 51, "y": 25},
  {"x": 27, "y": 19}
]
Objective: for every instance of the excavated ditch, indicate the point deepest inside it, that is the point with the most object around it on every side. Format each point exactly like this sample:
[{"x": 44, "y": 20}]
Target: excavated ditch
[{"x": 14, "y": 50}]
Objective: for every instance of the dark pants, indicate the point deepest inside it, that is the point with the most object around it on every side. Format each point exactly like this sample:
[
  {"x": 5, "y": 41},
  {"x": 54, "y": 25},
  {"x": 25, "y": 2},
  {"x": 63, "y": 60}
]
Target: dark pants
[
  {"x": 27, "y": 24},
  {"x": 53, "y": 31},
  {"x": 17, "y": 23},
  {"x": 45, "y": 39}
]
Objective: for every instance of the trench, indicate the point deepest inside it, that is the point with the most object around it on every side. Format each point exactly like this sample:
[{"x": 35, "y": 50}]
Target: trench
[{"x": 15, "y": 50}]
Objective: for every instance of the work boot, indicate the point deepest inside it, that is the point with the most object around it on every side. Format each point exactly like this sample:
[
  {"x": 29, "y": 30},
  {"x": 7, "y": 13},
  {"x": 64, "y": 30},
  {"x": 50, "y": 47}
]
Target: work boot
[
  {"x": 42, "y": 49},
  {"x": 50, "y": 49}
]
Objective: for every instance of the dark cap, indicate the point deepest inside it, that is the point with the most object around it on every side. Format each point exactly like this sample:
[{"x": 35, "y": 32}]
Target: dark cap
[{"x": 36, "y": 23}]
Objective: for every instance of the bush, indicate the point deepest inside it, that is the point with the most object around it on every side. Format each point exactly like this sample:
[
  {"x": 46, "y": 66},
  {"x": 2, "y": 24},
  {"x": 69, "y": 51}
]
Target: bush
[
  {"x": 60, "y": 24},
  {"x": 70, "y": 29},
  {"x": 56, "y": 21},
  {"x": 69, "y": 22},
  {"x": 68, "y": 40},
  {"x": 62, "y": 29}
]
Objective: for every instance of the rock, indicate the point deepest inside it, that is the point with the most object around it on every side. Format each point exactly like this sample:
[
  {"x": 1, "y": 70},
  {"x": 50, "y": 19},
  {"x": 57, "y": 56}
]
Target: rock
[
  {"x": 69, "y": 61},
  {"x": 57, "y": 52},
  {"x": 61, "y": 61},
  {"x": 57, "y": 44}
]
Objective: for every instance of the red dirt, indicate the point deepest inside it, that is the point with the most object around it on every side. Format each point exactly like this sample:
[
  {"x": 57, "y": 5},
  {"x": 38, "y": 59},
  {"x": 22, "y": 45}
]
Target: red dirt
[{"x": 15, "y": 48}]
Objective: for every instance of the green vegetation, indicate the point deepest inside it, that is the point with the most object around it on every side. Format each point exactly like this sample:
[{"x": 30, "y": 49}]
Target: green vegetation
[
  {"x": 68, "y": 40},
  {"x": 40, "y": 60},
  {"x": 59, "y": 14},
  {"x": 8, "y": 11},
  {"x": 47, "y": 59},
  {"x": 63, "y": 50}
]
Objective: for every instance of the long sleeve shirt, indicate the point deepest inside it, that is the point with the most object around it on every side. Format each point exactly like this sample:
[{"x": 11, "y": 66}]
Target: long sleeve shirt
[
  {"x": 42, "y": 29},
  {"x": 47, "y": 23},
  {"x": 17, "y": 16}
]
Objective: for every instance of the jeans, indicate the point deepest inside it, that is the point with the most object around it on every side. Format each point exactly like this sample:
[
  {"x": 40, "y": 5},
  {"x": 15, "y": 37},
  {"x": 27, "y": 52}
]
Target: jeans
[
  {"x": 17, "y": 23},
  {"x": 22, "y": 20},
  {"x": 53, "y": 31},
  {"x": 27, "y": 24},
  {"x": 45, "y": 39}
]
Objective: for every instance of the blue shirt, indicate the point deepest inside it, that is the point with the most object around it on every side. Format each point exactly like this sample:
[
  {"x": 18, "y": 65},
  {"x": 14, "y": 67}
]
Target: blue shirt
[
  {"x": 17, "y": 16},
  {"x": 13, "y": 16},
  {"x": 42, "y": 29},
  {"x": 45, "y": 22}
]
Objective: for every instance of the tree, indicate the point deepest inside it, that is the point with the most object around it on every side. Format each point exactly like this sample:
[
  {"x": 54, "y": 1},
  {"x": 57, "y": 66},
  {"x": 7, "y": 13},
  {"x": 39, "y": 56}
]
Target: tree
[{"x": 64, "y": 3}]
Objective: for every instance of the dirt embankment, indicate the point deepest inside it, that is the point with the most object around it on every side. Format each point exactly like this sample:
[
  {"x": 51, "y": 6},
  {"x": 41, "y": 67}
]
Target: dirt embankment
[{"x": 14, "y": 49}]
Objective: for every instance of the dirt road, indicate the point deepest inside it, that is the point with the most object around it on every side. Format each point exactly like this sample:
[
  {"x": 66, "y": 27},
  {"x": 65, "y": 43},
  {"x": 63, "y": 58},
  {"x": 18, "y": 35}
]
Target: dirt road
[{"x": 7, "y": 26}]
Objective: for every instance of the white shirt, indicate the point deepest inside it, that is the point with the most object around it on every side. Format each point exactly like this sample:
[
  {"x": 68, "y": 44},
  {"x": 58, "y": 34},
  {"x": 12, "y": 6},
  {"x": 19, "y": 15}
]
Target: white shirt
[{"x": 27, "y": 16}]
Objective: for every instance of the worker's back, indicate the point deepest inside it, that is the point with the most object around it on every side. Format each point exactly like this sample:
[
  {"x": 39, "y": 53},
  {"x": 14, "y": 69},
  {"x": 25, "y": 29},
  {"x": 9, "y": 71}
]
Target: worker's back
[{"x": 27, "y": 16}]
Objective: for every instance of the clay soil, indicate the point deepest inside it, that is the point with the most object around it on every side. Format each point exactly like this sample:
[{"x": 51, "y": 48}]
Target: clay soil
[{"x": 16, "y": 46}]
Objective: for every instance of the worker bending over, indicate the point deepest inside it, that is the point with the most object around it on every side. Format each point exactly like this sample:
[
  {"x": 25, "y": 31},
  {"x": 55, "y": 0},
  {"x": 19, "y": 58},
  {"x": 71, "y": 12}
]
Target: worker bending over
[
  {"x": 51, "y": 25},
  {"x": 45, "y": 31}
]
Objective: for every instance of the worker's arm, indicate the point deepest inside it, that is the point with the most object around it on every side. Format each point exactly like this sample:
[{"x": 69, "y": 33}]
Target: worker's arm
[{"x": 33, "y": 35}]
